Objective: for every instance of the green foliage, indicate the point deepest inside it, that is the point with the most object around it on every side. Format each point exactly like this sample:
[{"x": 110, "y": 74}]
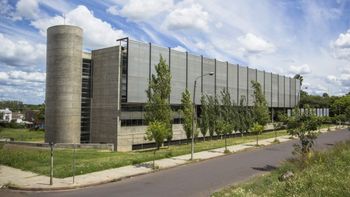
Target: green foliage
[
  {"x": 303, "y": 126},
  {"x": 37, "y": 160},
  {"x": 245, "y": 119},
  {"x": 326, "y": 174},
  {"x": 260, "y": 109},
  {"x": 213, "y": 114},
  {"x": 187, "y": 111},
  {"x": 257, "y": 129},
  {"x": 158, "y": 107},
  {"x": 156, "y": 131},
  {"x": 22, "y": 135},
  {"x": 204, "y": 117}
]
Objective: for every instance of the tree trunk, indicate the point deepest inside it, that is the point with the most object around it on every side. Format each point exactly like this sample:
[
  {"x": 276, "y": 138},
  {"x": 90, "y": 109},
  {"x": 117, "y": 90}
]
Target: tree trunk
[
  {"x": 257, "y": 139},
  {"x": 225, "y": 142},
  {"x": 154, "y": 159}
]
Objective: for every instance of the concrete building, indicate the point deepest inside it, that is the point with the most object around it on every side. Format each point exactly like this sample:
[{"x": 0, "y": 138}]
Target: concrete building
[{"x": 111, "y": 84}]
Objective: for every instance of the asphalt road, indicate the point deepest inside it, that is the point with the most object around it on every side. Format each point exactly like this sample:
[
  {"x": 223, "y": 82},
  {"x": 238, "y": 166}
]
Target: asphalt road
[{"x": 197, "y": 179}]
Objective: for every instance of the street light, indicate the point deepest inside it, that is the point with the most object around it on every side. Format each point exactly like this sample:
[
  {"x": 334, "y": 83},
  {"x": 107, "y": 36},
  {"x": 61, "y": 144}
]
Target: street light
[{"x": 194, "y": 110}]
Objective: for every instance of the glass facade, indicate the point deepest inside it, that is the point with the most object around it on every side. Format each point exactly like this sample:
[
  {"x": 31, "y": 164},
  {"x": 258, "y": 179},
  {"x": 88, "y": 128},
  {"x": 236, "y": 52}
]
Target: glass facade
[{"x": 85, "y": 101}]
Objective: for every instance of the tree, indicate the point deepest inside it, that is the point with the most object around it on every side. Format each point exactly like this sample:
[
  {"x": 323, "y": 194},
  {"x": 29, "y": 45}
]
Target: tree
[
  {"x": 158, "y": 107},
  {"x": 257, "y": 128},
  {"x": 228, "y": 115},
  {"x": 244, "y": 119},
  {"x": 304, "y": 126},
  {"x": 156, "y": 131},
  {"x": 187, "y": 110},
  {"x": 260, "y": 109},
  {"x": 300, "y": 78},
  {"x": 203, "y": 120},
  {"x": 213, "y": 114}
]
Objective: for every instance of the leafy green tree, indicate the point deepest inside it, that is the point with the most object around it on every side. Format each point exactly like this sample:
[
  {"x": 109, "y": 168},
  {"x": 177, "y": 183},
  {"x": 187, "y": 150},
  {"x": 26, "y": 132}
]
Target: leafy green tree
[
  {"x": 228, "y": 115},
  {"x": 244, "y": 119},
  {"x": 158, "y": 107},
  {"x": 257, "y": 128},
  {"x": 156, "y": 131},
  {"x": 213, "y": 115},
  {"x": 260, "y": 109},
  {"x": 187, "y": 111},
  {"x": 204, "y": 119},
  {"x": 304, "y": 126}
]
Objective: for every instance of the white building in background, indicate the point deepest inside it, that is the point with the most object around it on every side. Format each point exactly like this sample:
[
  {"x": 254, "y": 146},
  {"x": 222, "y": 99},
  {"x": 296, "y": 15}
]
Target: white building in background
[{"x": 6, "y": 115}]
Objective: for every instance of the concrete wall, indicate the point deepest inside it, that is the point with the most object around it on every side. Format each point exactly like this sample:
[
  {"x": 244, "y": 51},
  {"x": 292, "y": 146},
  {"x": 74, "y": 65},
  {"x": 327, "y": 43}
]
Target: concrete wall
[
  {"x": 63, "y": 84},
  {"x": 105, "y": 95}
]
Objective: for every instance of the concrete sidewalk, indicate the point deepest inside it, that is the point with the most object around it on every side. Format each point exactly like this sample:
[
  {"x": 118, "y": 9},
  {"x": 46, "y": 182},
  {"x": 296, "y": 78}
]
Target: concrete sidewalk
[{"x": 18, "y": 179}]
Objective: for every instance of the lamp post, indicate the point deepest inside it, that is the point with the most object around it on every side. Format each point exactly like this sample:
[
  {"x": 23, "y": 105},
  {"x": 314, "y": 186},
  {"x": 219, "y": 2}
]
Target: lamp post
[{"x": 194, "y": 110}]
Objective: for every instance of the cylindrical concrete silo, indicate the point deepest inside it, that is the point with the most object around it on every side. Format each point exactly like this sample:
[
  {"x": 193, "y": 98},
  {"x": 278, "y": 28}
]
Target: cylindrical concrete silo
[{"x": 63, "y": 84}]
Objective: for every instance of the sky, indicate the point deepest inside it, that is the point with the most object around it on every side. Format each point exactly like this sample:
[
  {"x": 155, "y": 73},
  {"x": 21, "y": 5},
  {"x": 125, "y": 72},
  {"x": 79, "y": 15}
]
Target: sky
[{"x": 306, "y": 37}]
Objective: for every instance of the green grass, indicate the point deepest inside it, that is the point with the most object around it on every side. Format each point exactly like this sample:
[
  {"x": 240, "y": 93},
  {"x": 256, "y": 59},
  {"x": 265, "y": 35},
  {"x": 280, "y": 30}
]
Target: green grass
[
  {"x": 324, "y": 174},
  {"x": 22, "y": 135},
  {"x": 37, "y": 160}
]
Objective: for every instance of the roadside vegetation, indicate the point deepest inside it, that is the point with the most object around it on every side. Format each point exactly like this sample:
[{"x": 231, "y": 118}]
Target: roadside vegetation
[
  {"x": 323, "y": 174},
  {"x": 22, "y": 135},
  {"x": 37, "y": 159}
]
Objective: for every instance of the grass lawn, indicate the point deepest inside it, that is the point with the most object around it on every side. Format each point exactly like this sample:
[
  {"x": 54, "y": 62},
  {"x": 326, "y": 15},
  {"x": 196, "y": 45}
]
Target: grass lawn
[
  {"x": 37, "y": 160},
  {"x": 324, "y": 174},
  {"x": 22, "y": 134}
]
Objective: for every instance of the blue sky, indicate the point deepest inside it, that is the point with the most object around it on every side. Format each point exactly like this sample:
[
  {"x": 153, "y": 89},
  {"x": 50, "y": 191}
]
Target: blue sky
[{"x": 285, "y": 37}]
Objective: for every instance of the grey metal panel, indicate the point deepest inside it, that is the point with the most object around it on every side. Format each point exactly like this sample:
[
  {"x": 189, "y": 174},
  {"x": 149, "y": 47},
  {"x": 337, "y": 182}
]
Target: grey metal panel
[
  {"x": 208, "y": 81},
  {"x": 221, "y": 76},
  {"x": 268, "y": 88},
  {"x": 232, "y": 81},
  {"x": 287, "y": 92},
  {"x": 260, "y": 79},
  {"x": 138, "y": 71},
  {"x": 274, "y": 90},
  {"x": 297, "y": 90},
  {"x": 178, "y": 75},
  {"x": 280, "y": 91},
  {"x": 156, "y": 52},
  {"x": 194, "y": 71},
  {"x": 292, "y": 92},
  {"x": 242, "y": 72},
  {"x": 251, "y": 77}
]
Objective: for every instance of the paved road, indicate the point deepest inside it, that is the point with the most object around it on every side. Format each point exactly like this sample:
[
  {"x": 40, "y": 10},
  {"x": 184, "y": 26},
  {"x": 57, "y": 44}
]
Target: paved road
[{"x": 198, "y": 179}]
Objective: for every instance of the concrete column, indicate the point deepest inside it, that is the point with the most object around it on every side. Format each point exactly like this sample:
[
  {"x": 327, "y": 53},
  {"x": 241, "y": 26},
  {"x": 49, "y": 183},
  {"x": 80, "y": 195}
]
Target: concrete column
[{"x": 63, "y": 84}]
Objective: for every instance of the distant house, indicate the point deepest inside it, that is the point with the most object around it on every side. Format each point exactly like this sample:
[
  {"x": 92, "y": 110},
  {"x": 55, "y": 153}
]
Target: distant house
[
  {"x": 6, "y": 115},
  {"x": 18, "y": 117}
]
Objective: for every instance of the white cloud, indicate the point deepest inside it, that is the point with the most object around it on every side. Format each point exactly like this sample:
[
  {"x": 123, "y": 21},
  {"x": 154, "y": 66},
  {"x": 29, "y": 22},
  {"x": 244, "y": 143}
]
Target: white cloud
[
  {"x": 97, "y": 33},
  {"x": 302, "y": 69},
  {"x": 21, "y": 52},
  {"x": 27, "y": 9},
  {"x": 180, "y": 48},
  {"x": 140, "y": 10},
  {"x": 341, "y": 46},
  {"x": 187, "y": 16},
  {"x": 253, "y": 44}
]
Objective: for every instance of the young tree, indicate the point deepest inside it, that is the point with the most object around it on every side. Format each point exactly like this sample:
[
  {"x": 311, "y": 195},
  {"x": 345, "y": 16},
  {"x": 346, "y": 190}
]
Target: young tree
[
  {"x": 260, "y": 109},
  {"x": 257, "y": 128},
  {"x": 212, "y": 114},
  {"x": 228, "y": 115},
  {"x": 158, "y": 107},
  {"x": 243, "y": 117},
  {"x": 304, "y": 126},
  {"x": 203, "y": 120},
  {"x": 156, "y": 131},
  {"x": 187, "y": 111}
]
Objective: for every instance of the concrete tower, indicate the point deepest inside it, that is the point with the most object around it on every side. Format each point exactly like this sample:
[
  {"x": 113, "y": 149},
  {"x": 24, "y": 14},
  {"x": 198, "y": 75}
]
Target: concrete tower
[{"x": 63, "y": 84}]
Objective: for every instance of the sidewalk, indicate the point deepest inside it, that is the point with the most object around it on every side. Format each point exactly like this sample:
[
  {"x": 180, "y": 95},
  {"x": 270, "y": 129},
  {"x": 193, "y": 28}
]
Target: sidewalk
[{"x": 18, "y": 179}]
